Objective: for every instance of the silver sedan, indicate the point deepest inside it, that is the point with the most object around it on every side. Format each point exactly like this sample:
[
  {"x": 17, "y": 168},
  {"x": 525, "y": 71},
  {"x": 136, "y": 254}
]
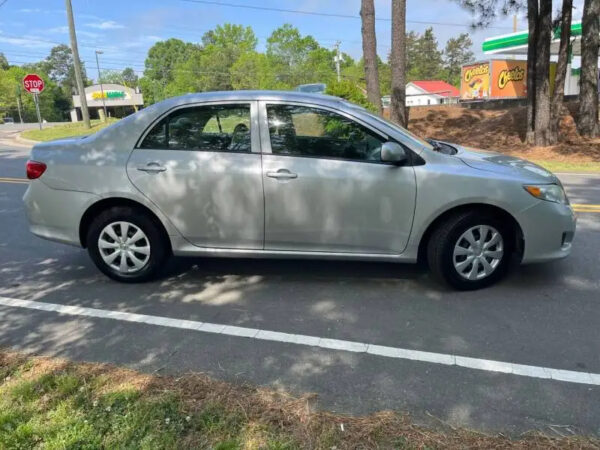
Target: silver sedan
[{"x": 294, "y": 175}]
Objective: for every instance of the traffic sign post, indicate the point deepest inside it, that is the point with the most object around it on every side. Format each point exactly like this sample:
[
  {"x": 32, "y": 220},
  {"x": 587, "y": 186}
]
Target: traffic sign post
[{"x": 34, "y": 84}]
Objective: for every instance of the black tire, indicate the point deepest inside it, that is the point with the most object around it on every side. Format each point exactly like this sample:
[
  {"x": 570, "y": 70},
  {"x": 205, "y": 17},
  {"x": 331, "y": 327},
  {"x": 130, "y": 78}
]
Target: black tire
[
  {"x": 159, "y": 245},
  {"x": 441, "y": 244}
]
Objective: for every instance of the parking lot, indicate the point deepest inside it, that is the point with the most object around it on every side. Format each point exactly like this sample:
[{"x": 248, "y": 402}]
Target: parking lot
[{"x": 366, "y": 336}]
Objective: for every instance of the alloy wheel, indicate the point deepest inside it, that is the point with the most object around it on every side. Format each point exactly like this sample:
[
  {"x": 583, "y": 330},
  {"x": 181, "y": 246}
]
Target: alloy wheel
[
  {"x": 124, "y": 247},
  {"x": 478, "y": 252}
]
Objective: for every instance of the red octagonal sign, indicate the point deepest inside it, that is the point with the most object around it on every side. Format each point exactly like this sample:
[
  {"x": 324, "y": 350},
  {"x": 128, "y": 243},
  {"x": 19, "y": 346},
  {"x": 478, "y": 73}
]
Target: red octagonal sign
[{"x": 33, "y": 83}]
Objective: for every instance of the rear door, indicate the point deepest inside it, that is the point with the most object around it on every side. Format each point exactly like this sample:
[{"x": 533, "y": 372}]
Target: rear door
[
  {"x": 201, "y": 165},
  {"x": 326, "y": 188}
]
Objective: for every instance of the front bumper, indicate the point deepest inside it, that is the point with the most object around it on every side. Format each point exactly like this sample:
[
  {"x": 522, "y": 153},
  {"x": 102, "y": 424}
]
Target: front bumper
[
  {"x": 548, "y": 231},
  {"x": 55, "y": 214}
]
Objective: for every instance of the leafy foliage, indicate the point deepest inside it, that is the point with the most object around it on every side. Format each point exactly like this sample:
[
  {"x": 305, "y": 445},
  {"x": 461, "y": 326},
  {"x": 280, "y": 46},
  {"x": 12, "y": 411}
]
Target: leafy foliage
[
  {"x": 348, "y": 90},
  {"x": 54, "y": 102},
  {"x": 456, "y": 54},
  {"x": 3, "y": 62},
  {"x": 126, "y": 77}
]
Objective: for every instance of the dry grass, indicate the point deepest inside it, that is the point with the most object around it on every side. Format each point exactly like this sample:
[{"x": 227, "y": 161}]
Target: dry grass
[
  {"x": 503, "y": 130},
  {"x": 205, "y": 413}
]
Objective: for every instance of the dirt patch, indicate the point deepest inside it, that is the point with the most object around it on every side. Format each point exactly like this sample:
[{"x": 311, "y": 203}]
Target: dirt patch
[{"x": 502, "y": 130}]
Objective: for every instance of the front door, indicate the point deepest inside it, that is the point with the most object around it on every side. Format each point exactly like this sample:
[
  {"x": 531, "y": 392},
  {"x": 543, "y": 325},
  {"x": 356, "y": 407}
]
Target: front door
[
  {"x": 201, "y": 166},
  {"x": 326, "y": 188}
]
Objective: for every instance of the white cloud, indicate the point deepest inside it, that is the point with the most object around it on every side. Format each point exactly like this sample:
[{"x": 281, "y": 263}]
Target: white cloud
[
  {"x": 65, "y": 29},
  {"x": 62, "y": 30},
  {"x": 25, "y": 42},
  {"x": 106, "y": 25},
  {"x": 30, "y": 10}
]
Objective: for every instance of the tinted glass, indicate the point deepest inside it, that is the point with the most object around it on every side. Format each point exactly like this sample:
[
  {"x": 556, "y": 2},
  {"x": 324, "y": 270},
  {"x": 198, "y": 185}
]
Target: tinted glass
[
  {"x": 305, "y": 131},
  {"x": 217, "y": 128}
]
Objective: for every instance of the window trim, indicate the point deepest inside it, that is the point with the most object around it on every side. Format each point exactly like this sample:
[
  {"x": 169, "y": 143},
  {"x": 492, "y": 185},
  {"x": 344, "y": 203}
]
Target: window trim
[
  {"x": 255, "y": 142},
  {"x": 266, "y": 135}
]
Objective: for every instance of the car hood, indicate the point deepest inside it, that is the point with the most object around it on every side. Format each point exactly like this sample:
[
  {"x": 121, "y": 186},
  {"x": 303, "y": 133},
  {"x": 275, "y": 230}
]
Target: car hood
[{"x": 504, "y": 164}]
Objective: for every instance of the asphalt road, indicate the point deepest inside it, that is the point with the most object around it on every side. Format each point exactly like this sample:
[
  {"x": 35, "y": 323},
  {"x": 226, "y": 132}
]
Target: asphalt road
[{"x": 545, "y": 315}]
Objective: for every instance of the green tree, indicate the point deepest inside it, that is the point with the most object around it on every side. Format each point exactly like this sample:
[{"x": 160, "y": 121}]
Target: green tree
[
  {"x": 53, "y": 102},
  {"x": 3, "y": 62},
  {"x": 130, "y": 78},
  {"x": 412, "y": 56},
  {"x": 59, "y": 67},
  {"x": 298, "y": 59},
  {"x": 350, "y": 91},
  {"x": 429, "y": 60},
  {"x": 456, "y": 54},
  {"x": 111, "y": 76},
  {"x": 160, "y": 64},
  {"x": 126, "y": 77},
  {"x": 253, "y": 70},
  {"x": 209, "y": 68}
]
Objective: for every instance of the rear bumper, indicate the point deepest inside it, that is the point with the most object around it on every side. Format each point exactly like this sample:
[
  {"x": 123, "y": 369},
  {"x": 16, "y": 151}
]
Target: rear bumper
[
  {"x": 55, "y": 214},
  {"x": 548, "y": 231}
]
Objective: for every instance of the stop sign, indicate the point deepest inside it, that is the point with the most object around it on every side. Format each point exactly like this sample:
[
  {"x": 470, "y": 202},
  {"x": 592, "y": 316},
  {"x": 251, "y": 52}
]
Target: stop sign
[{"x": 33, "y": 83}]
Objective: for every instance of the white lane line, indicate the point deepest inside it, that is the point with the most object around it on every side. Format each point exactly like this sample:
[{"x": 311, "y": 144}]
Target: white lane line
[{"x": 486, "y": 365}]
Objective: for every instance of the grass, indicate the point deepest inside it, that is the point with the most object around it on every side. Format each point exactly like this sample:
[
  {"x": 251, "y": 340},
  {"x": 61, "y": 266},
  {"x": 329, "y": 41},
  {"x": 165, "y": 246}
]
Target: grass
[
  {"x": 566, "y": 166},
  {"x": 67, "y": 130},
  {"x": 52, "y": 403}
]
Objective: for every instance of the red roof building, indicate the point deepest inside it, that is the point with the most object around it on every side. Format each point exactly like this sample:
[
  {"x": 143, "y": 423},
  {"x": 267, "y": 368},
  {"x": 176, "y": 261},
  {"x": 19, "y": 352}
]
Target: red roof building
[
  {"x": 430, "y": 92},
  {"x": 437, "y": 87}
]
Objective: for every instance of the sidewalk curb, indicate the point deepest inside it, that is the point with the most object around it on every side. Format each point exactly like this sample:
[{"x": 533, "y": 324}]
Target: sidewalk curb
[
  {"x": 580, "y": 174},
  {"x": 23, "y": 140}
]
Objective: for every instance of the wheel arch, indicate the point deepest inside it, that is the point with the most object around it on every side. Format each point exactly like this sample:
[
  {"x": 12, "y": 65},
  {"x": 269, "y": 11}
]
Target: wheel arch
[
  {"x": 96, "y": 208},
  {"x": 493, "y": 210}
]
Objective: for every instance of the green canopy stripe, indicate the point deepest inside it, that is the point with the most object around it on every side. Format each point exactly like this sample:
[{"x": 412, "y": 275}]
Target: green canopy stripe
[{"x": 521, "y": 38}]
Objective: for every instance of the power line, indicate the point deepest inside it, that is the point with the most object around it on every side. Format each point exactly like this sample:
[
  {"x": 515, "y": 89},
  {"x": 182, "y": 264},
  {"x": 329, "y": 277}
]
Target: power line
[
  {"x": 325, "y": 14},
  {"x": 2, "y": 3}
]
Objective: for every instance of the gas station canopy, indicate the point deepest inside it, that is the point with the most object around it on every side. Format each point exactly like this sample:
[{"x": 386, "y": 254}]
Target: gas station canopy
[{"x": 516, "y": 43}]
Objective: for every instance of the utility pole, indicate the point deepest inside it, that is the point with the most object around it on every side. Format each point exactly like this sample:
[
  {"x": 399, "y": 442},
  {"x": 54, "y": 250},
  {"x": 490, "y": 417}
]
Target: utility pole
[
  {"x": 99, "y": 52},
  {"x": 337, "y": 60},
  {"x": 19, "y": 103},
  {"x": 77, "y": 63}
]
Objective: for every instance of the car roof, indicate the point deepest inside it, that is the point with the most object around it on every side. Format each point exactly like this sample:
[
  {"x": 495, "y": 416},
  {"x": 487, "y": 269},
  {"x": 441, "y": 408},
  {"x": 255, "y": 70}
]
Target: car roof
[{"x": 256, "y": 95}]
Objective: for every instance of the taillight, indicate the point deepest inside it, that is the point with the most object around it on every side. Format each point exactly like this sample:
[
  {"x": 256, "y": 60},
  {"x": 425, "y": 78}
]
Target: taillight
[{"x": 35, "y": 169}]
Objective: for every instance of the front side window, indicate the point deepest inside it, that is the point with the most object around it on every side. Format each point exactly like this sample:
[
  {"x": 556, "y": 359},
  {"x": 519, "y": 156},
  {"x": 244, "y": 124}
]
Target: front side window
[
  {"x": 313, "y": 132},
  {"x": 211, "y": 128}
]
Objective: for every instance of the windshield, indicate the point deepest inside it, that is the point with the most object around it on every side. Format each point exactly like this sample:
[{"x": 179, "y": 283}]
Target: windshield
[
  {"x": 407, "y": 134},
  {"x": 312, "y": 88}
]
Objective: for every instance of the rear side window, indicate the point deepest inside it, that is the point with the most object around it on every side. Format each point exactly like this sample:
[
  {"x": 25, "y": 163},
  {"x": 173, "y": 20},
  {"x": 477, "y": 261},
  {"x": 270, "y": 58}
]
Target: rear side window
[{"x": 211, "y": 128}]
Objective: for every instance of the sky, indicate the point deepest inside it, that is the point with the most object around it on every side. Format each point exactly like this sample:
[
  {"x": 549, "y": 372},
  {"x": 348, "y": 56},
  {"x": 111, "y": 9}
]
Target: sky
[{"x": 125, "y": 29}]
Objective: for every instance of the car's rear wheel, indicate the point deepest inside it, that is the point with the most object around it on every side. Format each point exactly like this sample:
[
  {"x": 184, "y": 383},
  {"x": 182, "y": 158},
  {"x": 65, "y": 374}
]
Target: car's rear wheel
[
  {"x": 126, "y": 244},
  {"x": 470, "y": 250}
]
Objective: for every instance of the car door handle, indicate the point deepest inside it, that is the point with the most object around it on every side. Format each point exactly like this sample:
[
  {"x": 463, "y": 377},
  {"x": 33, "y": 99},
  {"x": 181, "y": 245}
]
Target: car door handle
[
  {"x": 282, "y": 174},
  {"x": 152, "y": 167}
]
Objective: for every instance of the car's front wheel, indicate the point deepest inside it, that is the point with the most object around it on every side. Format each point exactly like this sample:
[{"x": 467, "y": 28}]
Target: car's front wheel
[
  {"x": 470, "y": 250},
  {"x": 126, "y": 244}
]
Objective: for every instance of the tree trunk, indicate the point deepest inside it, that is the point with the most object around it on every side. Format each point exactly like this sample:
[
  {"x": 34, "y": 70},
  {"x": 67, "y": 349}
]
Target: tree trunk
[
  {"x": 542, "y": 74},
  {"x": 587, "y": 122},
  {"x": 369, "y": 43},
  {"x": 561, "y": 70},
  {"x": 532, "y": 15},
  {"x": 398, "y": 63}
]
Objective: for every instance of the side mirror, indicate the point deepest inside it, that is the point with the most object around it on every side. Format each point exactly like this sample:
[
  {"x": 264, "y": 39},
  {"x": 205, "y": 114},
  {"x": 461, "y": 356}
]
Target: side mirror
[{"x": 393, "y": 153}]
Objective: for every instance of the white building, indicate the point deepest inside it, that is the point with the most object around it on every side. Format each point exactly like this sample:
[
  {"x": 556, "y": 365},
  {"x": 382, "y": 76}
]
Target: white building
[
  {"x": 430, "y": 92},
  {"x": 119, "y": 101}
]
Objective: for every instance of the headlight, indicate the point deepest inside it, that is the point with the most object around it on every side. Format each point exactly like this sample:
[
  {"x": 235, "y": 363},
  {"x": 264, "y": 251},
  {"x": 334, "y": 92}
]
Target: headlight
[{"x": 548, "y": 192}]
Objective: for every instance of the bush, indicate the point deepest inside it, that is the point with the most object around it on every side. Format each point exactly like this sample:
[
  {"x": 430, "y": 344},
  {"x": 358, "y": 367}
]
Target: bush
[{"x": 350, "y": 91}]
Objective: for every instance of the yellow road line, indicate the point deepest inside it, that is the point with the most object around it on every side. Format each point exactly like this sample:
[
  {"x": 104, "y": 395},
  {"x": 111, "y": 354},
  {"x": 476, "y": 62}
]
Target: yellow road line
[
  {"x": 584, "y": 205},
  {"x": 14, "y": 180}
]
